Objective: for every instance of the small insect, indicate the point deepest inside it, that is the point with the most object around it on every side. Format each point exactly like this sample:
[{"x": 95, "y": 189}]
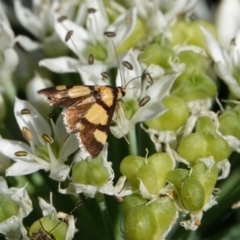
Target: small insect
[{"x": 87, "y": 111}]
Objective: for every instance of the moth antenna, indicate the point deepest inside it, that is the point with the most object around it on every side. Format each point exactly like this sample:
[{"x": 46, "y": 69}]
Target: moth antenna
[
  {"x": 80, "y": 202},
  {"x": 121, "y": 75}
]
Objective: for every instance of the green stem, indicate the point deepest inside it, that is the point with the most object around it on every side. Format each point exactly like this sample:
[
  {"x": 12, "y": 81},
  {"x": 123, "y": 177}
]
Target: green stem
[
  {"x": 133, "y": 142},
  {"x": 105, "y": 215}
]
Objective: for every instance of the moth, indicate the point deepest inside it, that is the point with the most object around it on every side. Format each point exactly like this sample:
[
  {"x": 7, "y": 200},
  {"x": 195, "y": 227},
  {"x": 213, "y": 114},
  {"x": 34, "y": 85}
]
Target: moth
[{"x": 87, "y": 111}]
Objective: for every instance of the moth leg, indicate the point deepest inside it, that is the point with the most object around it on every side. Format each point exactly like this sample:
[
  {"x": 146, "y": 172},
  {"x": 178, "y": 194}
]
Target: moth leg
[{"x": 119, "y": 107}]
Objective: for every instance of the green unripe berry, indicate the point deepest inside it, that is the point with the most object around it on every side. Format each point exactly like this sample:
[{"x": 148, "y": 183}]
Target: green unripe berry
[
  {"x": 8, "y": 207},
  {"x": 148, "y": 176},
  {"x": 176, "y": 177},
  {"x": 129, "y": 168},
  {"x": 207, "y": 177},
  {"x": 203, "y": 144},
  {"x": 141, "y": 224},
  {"x": 157, "y": 54},
  {"x": 131, "y": 201},
  {"x": 174, "y": 118},
  {"x": 90, "y": 172},
  {"x": 162, "y": 163},
  {"x": 97, "y": 173},
  {"x": 192, "y": 194},
  {"x": 48, "y": 225},
  {"x": 165, "y": 210},
  {"x": 229, "y": 123}
]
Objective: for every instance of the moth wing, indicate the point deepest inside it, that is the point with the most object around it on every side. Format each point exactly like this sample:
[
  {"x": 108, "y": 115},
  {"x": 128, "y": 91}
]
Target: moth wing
[
  {"x": 90, "y": 122},
  {"x": 65, "y": 96}
]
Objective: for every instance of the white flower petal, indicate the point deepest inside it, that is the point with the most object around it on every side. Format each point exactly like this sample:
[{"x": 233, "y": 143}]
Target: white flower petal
[
  {"x": 78, "y": 40},
  {"x": 27, "y": 44},
  {"x": 217, "y": 54},
  {"x": 123, "y": 26},
  {"x": 162, "y": 87},
  {"x": 34, "y": 121},
  {"x": 39, "y": 101},
  {"x": 30, "y": 21},
  {"x": 46, "y": 208},
  {"x": 91, "y": 74},
  {"x": 10, "y": 60},
  {"x": 226, "y": 76},
  {"x": 228, "y": 20},
  {"x": 96, "y": 22},
  {"x": 20, "y": 168},
  {"x": 60, "y": 64},
  {"x": 3, "y": 185},
  {"x": 10, "y": 147},
  {"x": 224, "y": 166}
]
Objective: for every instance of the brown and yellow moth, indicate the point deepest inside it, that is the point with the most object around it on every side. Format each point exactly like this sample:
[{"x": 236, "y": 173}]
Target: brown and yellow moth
[{"x": 87, "y": 111}]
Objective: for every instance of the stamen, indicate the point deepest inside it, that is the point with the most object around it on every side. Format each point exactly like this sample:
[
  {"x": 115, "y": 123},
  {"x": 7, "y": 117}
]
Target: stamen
[
  {"x": 110, "y": 34},
  {"x": 25, "y": 111},
  {"x": 148, "y": 78},
  {"x": 47, "y": 138},
  {"x": 20, "y": 154},
  {"x": 62, "y": 18},
  {"x": 127, "y": 64},
  {"x": 144, "y": 101},
  {"x": 105, "y": 75},
  {"x": 27, "y": 134},
  {"x": 90, "y": 59},
  {"x": 92, "y": 10},
  {"x": 68, "y": 35}
]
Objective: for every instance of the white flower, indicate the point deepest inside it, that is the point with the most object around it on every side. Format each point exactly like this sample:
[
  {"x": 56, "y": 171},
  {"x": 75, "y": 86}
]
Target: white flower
[
  {"x": 42, "y": 152},
  {"x": 13, "y": 225},
  {"x": 81, "y": 39},
  {"x": 39, "y": 101},
  {"x": 39, "y": 21},
  {"x": 225, "y": 62}
]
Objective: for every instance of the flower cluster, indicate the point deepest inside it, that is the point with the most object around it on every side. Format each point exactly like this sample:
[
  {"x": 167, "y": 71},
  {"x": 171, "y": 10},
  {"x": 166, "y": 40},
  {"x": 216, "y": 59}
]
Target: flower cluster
[{"x": 177, "y": 69}]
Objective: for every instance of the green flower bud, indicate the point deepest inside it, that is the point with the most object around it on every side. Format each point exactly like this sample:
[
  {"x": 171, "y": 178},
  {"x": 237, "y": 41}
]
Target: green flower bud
[
  {"x": 192, "y": 194},
  {"x": 91, "y": 172},
  {"x": 98, "y": 51},
  {"x": 229, "y": 122},
  {"x": 236, "y": 74},
  {"x": 136, "y": 36},
  {"x": 47, "y": 225},
  {"x": 8, "y": 207},
  {"x": 157, "y": 54},
  {"x": 190, "y": 31},
  {"x": 165, "y": 210},
  {"x": 162, "y": 163},
  {"x": 129, "y": 168},
  {"x": 149, "y": 178},
  {"x": 193, "y": 86},
  {"x": 129, "y": 106},
  {"x": 131, "y": 201},
  {"x": 174, "y": 118},
  {"x": 207, "y": 177},
  {"x": 203, "y": 144},
  {"x": 141, "y": 224}
]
